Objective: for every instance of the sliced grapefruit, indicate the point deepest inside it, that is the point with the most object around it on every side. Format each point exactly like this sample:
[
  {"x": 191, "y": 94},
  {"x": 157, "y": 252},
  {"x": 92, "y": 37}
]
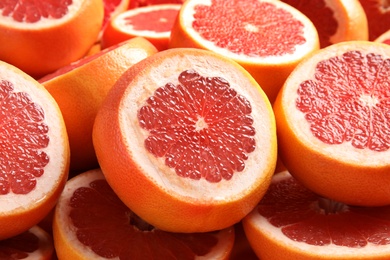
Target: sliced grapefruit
[
  {"x": 378, "y": 17},
  {"x": 191, "y": 135},
  {"x": 33, "y": 244},
  {"x": 34, "y": 158},
  {"x": 41, "y": 36},
  {"x": 333, "y": 123},
  {"x": 80, "y": 88},
  {"x": 113, "y": 8},
  {"x": 268, "y": 38},
  {"x": 91, "y": 222},
  {"x": 292, "y": 222},
  {"x": 335, "y": 20},
  {"x": 154, "y": 23},
  {"x": 384, "y": 37}
]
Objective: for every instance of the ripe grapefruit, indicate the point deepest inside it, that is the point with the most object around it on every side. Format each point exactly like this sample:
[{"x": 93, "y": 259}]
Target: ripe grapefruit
[
  {"x": 335, "y": 20},
  {"x": 333, "y": 123},
  {"x": 39, "y": 37},
  {"x": 153, "y": 22},
  {"x": 91, "y": 222},
  {"x": 268, "y": 38},
  {"x": 292, "y": 222},
  {"x": 80, "y": 88},
  {"x": 378, "y": 17},
  {"x": 191, "y": 135},
  {"x": 34, "y": 158}
]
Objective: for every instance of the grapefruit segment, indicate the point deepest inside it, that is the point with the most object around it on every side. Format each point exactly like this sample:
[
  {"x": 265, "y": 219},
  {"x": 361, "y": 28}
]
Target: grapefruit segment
[
  {"x": 333, "y": 125},
  {"x": 91, "y": 222},
  {"x": 34, "y": 161},
  {"x": 193, "y": 142}
]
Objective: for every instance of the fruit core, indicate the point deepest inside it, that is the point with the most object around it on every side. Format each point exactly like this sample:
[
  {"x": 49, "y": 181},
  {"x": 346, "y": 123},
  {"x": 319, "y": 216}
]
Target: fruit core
[
  {"x": 348, "y": 101},
  {"x": 31, "y": 11},
  {"x": 23, "y": 135},
  {"x": 115, "y": 231},
  {"x": 305, "y": 217},
  {"x": 250, "y": 27},
  {"x": 201, "y": 126}
]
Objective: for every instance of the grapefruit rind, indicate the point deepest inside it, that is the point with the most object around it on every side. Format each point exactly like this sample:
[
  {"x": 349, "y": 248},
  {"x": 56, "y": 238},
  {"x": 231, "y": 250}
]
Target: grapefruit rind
[
  {"x": 317, "y": 164},
  {"x": 198, "y": 205}
]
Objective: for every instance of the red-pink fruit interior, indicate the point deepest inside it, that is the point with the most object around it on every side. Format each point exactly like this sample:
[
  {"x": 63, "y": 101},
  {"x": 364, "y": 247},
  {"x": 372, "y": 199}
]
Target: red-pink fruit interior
[
  {"x": 115, "y": 231},
  {"x": 19, "y": 247},
  {"x": 321, "y": 16},
  {"x": 249, "y": 27},
  {"x": 160, "y": 21},
  {"x": 109, "y": 7},
  {"x": 348, "y": 100},
  {"x": 202, "y": 127},
  {"x": 140, "y": 3},
  {"x": 31, "y": 11},
  {"x": 23, "y": 135},
  {"x": 306, "y": 217}
]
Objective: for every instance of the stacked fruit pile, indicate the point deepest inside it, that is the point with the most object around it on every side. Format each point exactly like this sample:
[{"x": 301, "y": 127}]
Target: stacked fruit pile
[{"x": 195, "y": 129}]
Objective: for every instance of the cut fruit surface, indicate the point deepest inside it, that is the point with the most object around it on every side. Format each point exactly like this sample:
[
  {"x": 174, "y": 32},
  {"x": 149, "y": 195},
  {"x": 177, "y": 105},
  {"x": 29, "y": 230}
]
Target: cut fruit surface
[
  {"x": 268, "y": 38},
  {"x": 33, "y": 244},
  {"x": 192, "y": 135},
  {"x": 113, "y": 8},
  {"x": 335, "y": 20},
  {"x": 41, "y": 36},
  {"x": 292, "y": 222},
  {"x": 34, "y": 158},
  {"x": 80, "y": 88},
  {"x": 140, "y": 3},
  {"x": 153, "y": 23},
  {"x": 91, "y": 222},
  {"x": 333, "y": 123}
]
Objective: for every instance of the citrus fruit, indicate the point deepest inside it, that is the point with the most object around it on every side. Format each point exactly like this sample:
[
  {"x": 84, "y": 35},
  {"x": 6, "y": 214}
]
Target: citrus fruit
[
  {"x": 91, "y": 222},
  {"x": 34, "y": 158},
  {"x": 113, "y": 8},
  {"x": 140, "y": 3},
  {"x": 378, "y": 17},
  {"x": 80, "y": 88},
  {"x": 154, "y": 23},
  {"x": 268, "y": 38},
  {"x": 192, "y": 135},
  {"x": 39, "y": 37},
  {"x": 333, "y": 123},
  {"x": 384, "y": 37},
  {"x": 335, "y": 20},
  {"x": 292, "y": 222},
  {"x": 33, "y": 244}
]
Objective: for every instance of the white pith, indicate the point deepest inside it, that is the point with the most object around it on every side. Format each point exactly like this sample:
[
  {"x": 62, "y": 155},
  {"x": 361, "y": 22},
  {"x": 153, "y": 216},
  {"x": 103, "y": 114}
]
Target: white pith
[
  {"x": 300, "y": 126},
  {"x": 201, "y": 190},
  {"x": 51, "y": 177},
  {"x": 310, "y": 34}
]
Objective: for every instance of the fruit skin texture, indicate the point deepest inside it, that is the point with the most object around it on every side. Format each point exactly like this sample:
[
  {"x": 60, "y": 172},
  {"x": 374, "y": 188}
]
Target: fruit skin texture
[
  {"x": 142, "y": 195},
  {"x": 326, "y": 173},
  {"x": 21, "y": 219},
  {"x": 80, "y": 92},
  {"x": 39, "y": 51}
]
